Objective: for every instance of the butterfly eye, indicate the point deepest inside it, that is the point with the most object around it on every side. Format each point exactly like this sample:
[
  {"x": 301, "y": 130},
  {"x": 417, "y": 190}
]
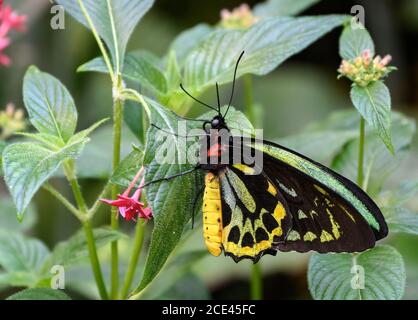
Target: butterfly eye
[{"x": 215, "y": 123}]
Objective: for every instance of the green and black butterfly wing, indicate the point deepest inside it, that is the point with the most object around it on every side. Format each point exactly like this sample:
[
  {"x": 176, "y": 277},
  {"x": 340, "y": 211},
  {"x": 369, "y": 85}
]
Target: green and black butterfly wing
[
  {"x": 329, "y": 212},
  {"x": 255, "y": 215}
]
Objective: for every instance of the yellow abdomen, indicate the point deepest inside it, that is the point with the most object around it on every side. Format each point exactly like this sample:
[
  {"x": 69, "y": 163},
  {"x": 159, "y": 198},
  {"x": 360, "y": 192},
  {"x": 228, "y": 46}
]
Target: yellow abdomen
[{"x": 212, "y": 215}]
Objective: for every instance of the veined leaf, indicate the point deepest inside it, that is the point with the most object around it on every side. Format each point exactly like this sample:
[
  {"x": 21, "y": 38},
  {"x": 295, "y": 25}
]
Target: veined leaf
[
  {"x": 322, "y": 146},
  {"x": 170, "y": 203},
  {"x": 376, "y": 274},
  {"x": 354, "y": 41},
  {"x": 189, "y": 39},
  {"x": 21, "y": 258},
  {"x": 272, "y": 8},
  {"x": 115, "y": 20},
  {"x": 373, "y": 103},
  {"x": 137, "y": 67},
  {"x": 28, "y": 165},
  {"x": 398, "y": 196},
  {"x": 401, "y": 220},
  {"x": 266, "y": 44},
  {"x": 50, "y": 106},
  {"x": 86, "y": 132},
  {"x": 39, "y": 294}
]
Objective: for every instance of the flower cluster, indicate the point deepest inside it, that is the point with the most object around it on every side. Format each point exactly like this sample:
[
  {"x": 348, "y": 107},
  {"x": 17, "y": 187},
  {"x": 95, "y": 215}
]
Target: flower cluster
[
  {"x": 365, "y": 69},
  {"x": 11, "y": 121},
  {"x": 9, "y": 20},
  {"x": 239, "y": 18},
  {"x": 129, "y": 206}
]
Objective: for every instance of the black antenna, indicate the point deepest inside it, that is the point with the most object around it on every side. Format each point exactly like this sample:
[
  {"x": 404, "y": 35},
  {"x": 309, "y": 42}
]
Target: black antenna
[
  {"x": 219, "y": 100},
  {"x": 233, "y": 83},
  {"x": 197, "y": 100}
]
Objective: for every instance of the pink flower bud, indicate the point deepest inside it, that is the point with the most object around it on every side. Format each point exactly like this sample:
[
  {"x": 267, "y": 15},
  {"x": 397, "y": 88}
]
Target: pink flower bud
[{"x": 386, "y": 60}]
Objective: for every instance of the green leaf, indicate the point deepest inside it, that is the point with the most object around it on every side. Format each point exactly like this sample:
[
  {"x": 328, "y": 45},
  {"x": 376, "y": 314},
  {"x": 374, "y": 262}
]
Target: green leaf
[
  {"x": 170, "y": 203},
  {"x": 330, "y": 276},
  {"x": 50, "y": 106},
  {"x": 354, "y": 41},
  {"x": 379, "y": 164},
  {"x": 266, "y": 44},
  {"x": 73, "y": 250},
  {"x": 188, "y": 40},
  {"x": 86, "y": 132},
  {"x": 401, "y": 220},
  {"x": 137, "y": 67},
  {"x": 39, "y": 294},
  {"x": 373, "y": 103},
  {"x": 28, "y": 165},
  {"x": 133, "y": 115},
  {"x": 3, "y": 145},
  {"x": 125, "y": 13},
  {"x": 128, "y": 168},
  {"x": 173, "y": 72},
  {"x": 322, "y": 146},
  {"x": 48, "y": 140},
  {"x": 8, "y": 221},
  {"x": 21, "y": 258},
  {"x": 273, "y": 8},
  {"x": 398, "y": 196}
]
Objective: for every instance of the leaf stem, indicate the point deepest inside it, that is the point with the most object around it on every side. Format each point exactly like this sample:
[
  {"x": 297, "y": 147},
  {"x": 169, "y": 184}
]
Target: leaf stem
[
  {"x": 256, "y": 285},
  {"x": 114, "y": 222},
  {"x": 98, "y": 40},
  {"x": 360, "y": 166},
  {"x": 133, "y": 262},
  {"x": 82, "y": 207}
]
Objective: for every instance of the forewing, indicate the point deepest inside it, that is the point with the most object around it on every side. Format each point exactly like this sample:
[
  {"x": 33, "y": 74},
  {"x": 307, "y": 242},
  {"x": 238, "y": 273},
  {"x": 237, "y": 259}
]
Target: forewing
[{"x": 329, "y": 212}]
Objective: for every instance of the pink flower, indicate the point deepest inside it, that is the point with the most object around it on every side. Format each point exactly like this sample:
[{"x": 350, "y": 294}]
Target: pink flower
[
  {"x": 130, "y": 207},
  {"x": 9, "y": 20}
]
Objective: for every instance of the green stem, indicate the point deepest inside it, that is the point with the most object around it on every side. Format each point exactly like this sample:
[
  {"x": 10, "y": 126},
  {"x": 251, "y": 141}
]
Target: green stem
[
  {"x": 256, "y": 276},
  {"x": 360, "y": 166},
  {"x": 94, "y": 260},
  {"x": 81, "y": 203},
  {"x": 256, "y": 282},
  {"x": 136, "y": 251},
  {"x": 114, "y": 222},
  {"x": 139, "y": 231}
]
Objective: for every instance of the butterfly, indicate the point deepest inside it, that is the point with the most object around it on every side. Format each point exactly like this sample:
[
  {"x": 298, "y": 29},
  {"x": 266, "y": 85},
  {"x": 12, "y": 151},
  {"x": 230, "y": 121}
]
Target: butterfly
[{"x": 289, "y": 203}]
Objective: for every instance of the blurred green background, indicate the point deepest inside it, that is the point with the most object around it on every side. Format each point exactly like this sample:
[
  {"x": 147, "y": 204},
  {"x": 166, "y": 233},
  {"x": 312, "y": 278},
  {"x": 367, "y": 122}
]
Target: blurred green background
[{"x": 301, "y": 91}]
